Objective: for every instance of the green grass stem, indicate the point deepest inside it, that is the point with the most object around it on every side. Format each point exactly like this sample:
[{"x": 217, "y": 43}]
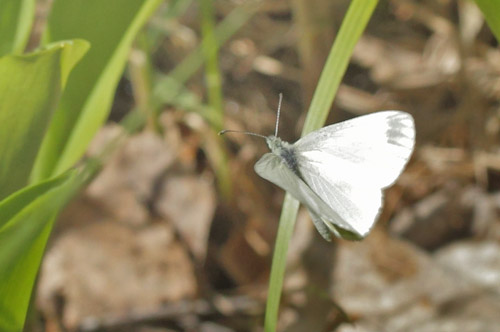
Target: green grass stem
[{"x": 352, "y": 27}]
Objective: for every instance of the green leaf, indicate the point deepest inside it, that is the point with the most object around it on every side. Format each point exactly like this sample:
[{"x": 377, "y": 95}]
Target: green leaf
[
  {"x": 16, "y": 19},
  {"x": 26, "y": 219},
  {"x": 491, "y": 11},
  {"x": 30, "y": 86},
  {"x": 110, "y": 26},
  {"x": 351, "y": 29}
]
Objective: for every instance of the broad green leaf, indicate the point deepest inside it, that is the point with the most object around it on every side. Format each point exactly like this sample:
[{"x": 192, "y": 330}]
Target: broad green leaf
[
  {"x": 26, "y": 219},
  {"x": 30, "y": 87},
  {"x": 16, "y": 19},
  {"x": 110, "y": 26},
  {"x": 491, "y": 11}
]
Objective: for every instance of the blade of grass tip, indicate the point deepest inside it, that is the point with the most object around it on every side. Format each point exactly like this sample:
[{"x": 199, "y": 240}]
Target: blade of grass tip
[
  {"x": 354, "y": 23},
  {"x": 491, "y": 11}
]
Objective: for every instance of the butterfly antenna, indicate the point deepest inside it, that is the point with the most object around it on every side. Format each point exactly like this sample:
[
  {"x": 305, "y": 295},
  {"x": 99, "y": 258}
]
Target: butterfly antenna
[
  {"x": 278, "y": 116},
  {"x": 222, "y": 132}
]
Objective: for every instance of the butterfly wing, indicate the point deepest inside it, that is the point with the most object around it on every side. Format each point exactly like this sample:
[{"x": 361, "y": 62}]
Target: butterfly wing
[
  {"x": 273, "y": 169},
  {"x": 356, "y": 208},
  {"x": 348, "y": 164}
]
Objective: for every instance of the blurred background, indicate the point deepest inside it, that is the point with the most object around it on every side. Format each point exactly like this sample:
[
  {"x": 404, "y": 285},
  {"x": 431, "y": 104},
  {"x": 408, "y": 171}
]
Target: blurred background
[{"x": 177, "y": 231}]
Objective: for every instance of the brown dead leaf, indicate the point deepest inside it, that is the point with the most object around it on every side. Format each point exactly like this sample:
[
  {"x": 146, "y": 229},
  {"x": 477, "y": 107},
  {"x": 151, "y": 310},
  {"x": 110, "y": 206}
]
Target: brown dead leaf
[
  {"x": 107, "y": 268},
  {"x": 127, "y": 181},
  {"x": 188, "y": 202}
]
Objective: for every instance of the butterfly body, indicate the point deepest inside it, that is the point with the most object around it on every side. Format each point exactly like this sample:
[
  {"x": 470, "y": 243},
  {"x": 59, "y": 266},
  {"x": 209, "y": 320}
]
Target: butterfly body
[
  {"x": 285, "y": 151},
  {"x": 339, "y": 171}
]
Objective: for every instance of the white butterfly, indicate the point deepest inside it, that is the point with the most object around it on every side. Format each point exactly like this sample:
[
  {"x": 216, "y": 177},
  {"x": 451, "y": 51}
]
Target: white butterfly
[{"x": 338, "y": 172}]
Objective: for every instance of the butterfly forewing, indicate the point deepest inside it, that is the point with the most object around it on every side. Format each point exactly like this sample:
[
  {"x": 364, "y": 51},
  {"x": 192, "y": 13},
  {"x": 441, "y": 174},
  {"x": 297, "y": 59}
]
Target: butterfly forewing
[
  {"x": 369, "y": 150},
  {"x": 348, "y": 164}
]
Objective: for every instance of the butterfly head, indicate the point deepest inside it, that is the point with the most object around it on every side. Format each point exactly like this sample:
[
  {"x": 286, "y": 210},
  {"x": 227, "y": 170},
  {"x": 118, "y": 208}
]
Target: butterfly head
[
  {"x": 276, "y": 144},
  {"x": 273, "y": 142}
]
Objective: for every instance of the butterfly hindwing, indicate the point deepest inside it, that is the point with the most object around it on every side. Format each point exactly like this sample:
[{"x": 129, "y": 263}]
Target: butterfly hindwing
[
  {"x": 356, "y": 209},
  {"x": 273, "y": 169},
  {"x": 321, "y": 226},
  {"x": 370, "y": 150}
]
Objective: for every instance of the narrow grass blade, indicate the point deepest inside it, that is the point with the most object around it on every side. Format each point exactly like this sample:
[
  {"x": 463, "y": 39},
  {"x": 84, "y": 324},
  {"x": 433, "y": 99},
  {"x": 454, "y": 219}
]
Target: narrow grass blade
[
  {"x": 169, "y": 88},
  {"x": 192, "y": 63},
  {"x": 354, "y": 23},
  {"x": 214, "y": 90}
]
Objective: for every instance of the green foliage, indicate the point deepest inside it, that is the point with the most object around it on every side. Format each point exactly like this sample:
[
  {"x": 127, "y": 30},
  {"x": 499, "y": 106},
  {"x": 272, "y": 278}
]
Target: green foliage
[
  {"x": 26, "y": 220},
  {"x": 43, "y": 134},
  {"x": 110, "y": 27},
  {"x": 491, "y": 11},
  {"x": 16, "y": 18},
  {"x": 30, "y": 87},
  {"x": 352, "y": 27}
]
